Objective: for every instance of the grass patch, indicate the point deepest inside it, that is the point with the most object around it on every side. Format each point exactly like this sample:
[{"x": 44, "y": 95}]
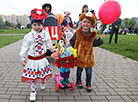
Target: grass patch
[
  {"x": 8, "y": 39},
  {"x": 14, "y": 31},
  {"x": 127, "y": 45}
]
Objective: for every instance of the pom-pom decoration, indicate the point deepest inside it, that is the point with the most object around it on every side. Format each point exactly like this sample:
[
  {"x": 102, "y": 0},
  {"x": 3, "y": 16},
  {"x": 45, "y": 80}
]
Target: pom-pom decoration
[{"x": 38, "y": 14}]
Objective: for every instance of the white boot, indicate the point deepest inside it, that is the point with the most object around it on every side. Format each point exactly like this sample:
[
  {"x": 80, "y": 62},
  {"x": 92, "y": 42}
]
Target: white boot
[
  {"x": 33, "y": 96},
  {"x": 42, "y": 86}
]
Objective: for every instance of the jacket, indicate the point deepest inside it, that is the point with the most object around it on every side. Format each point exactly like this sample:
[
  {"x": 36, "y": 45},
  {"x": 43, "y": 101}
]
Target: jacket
[
  {"x": 65, "y": 22},
  {"x": 51, "y": 20}
]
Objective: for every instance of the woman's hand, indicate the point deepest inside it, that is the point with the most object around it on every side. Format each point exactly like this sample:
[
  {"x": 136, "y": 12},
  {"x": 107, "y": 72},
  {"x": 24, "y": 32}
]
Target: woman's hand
[{"x": 102, "y": 36}]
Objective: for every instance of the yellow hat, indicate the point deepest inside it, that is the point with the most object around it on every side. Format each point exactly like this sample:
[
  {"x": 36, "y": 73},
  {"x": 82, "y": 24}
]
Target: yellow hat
[{"x": 89, "y": 16}]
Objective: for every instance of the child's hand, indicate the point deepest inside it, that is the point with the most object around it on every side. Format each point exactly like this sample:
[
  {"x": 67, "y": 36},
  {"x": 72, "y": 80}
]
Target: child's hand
[
  {"x": 102, "y": 36},
  {"x": 56, "y": 54},
  {"x": 24, "y": 63},
  {"x": 116, "y": 26}
]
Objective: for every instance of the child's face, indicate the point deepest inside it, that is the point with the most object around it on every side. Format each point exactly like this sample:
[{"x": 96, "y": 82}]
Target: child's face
[
  {"x": 86, "y": 24},
  {"x": 37, "y": 27}
]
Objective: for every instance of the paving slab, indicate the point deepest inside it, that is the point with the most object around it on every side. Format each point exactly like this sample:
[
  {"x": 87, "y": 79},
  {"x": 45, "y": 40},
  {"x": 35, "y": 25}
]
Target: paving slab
[{"x": 115, "y": 79}]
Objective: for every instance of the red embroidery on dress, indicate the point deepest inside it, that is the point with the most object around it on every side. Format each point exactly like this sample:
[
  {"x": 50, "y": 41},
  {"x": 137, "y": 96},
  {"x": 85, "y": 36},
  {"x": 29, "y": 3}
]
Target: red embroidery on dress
[
  {"x": 24, "y": 70},
  {"x": 32, "y": 72},
  {"x": 29, "y": 72},
  {"x": 39, "y": 47},
  {"x": 39, "y": 36},
  {"x": 40, "y": 52},
  {"x": 40, "y": 39}
]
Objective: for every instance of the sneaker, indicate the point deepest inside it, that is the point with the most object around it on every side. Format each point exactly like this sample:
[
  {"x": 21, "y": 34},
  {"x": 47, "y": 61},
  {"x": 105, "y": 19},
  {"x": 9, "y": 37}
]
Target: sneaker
[
  {"x": 88, "y": 87},
  {"x": 33, "y": 96},
  {"x": 79, "y": 84},
  {"x": 42, "y": 86}
]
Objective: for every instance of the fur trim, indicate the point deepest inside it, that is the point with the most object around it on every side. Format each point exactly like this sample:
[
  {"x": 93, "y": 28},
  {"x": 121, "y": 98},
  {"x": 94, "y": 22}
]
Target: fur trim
[
  {"x": 84, "y": 45},
  {"x": 89, "y": 16}
]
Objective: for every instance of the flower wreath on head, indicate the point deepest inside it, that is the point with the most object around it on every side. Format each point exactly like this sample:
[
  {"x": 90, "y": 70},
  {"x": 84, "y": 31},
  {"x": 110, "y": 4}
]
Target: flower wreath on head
[
  {"x": 67, "y": 12},
  {"x": 38, "y": 14}
]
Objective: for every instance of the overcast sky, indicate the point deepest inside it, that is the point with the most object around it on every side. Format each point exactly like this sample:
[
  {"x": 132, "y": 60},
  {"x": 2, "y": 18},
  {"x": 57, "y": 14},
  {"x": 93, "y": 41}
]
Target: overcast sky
[{"x": 129, "y": 8}]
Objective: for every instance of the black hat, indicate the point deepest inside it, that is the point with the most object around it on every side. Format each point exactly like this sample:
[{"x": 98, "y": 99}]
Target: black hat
[
  {"x": 47, "y": 4},
  {"x": 92, "y": 11}
]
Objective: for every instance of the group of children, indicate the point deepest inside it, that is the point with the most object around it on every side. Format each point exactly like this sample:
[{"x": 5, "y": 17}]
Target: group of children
[{"x": 35, "y": 45}]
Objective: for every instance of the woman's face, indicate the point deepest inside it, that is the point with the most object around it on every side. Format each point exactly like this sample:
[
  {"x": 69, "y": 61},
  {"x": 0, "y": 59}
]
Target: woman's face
[
  {"x": 86, "y": 24},
  {"x": 37, "y": 27},
  {"x": 85, "y": 9},
  {"x": 47, "y": 9}
]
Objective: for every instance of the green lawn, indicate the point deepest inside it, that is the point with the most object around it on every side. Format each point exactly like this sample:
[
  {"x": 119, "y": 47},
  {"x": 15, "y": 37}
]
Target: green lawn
[
  {"x": 127, "y": 45},
  {"x": 8, "y": 39},
  {"x": 14, "y": 31}
]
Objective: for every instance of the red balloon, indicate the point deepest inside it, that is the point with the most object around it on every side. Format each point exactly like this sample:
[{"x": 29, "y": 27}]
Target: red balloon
[{"x": 109, "y": 11}]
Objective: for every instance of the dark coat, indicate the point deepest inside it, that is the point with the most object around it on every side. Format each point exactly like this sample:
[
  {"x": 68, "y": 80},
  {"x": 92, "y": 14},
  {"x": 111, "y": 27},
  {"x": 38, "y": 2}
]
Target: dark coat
[
  {"x": 51, "y": 20},
  {"x": 65, "y": 22},
  {"x": 116, "y": 23}
]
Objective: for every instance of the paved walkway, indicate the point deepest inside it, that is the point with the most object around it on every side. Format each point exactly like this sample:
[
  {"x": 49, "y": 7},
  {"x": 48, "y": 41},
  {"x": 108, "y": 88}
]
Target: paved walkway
[{"x": 115, "y": 79}]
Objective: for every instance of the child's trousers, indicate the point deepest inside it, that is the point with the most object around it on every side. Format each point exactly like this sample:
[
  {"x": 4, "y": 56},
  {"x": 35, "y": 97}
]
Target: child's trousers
[{"x": 88, "y": 74}]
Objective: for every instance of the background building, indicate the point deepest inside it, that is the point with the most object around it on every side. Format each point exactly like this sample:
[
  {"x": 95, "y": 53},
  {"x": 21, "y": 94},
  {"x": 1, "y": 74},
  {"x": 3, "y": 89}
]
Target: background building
[{"x": 13, "y": 19}]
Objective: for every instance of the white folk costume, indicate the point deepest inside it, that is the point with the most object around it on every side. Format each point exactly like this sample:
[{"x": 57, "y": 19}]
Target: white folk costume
[
  {"x": 35, "y": 46},
  {"x": 33, "y": 51}
]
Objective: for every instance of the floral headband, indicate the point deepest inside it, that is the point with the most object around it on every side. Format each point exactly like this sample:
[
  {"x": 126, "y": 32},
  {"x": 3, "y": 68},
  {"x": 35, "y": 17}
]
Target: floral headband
[{"x": 38, "y": 14}]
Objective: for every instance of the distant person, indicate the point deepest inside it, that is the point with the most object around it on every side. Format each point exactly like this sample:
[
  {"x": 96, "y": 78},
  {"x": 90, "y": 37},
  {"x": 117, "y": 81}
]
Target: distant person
[
  {"x": 83, "y": 40},
  {"x": 36, "y": 67},
  {"x": 51, "y": 20},
  {"x": 93, "y": 13},
  {"x": 115, "y": 29},
  {"x": 67, "y": 22},
  {"x": 125, "y": 31},
  {"x": 130, "y": 30},
  {"x": 84, "y": 9}
]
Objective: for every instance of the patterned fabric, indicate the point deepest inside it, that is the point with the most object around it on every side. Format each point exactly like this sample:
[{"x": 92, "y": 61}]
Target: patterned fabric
[
  {"x": 66, "y": 62},
  {"x": 35, "y": 44},
  {"x": 39, "y": 47},
  {"x": 37, "y": 70}
]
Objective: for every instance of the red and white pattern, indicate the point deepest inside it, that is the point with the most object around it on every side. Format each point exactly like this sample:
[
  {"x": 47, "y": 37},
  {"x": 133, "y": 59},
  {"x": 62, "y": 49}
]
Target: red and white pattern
[
  {"x": 39, "y": 47},
  {"x": 35, "y": 45},
  {"x": 36, "y": 70}
]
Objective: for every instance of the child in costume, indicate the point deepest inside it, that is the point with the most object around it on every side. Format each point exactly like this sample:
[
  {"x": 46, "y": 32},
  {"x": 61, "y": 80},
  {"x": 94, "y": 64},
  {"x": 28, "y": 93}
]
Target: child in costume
[
  {"x": 67, "y": 22},
  {"x": 65, "y": 59},
  {"x": 83, "y": 40},
  {"x": 34, "y": 47}
]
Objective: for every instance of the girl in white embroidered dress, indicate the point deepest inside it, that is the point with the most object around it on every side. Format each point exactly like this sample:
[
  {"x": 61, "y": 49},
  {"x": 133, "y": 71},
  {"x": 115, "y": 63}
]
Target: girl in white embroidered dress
[{"x": 34, "y": 47}]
